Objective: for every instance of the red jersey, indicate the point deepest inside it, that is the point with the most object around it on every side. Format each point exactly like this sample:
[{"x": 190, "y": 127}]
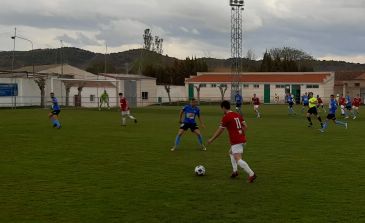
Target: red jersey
[
  {"x": 256, "y": 101},
  {"x": 232, "y": 121},
  {"x": 342, "y": 101},
  {"x": 356, "y": 102},
  {"x": 123, "y": 104},
  {"x": 319, "y": 100}
]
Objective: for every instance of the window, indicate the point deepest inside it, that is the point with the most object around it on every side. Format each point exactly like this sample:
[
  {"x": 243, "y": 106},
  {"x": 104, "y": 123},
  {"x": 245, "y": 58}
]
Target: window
[
  {"x": 203, "y": 85},
  {"x": 312, "y": 86},
  {"x": 92, "y": 97},
  {"x": 235, "y": 85},
  {"x": 280, "y": 86},
  {"x": 144, "y": 95},
  {"x": 256, "y": 86},
  {"x": 357, "y": 84},
  {"x": 223, "y": 85},
  {"x": 213, "y": 85},
  {"x": 246, "y": 85}
]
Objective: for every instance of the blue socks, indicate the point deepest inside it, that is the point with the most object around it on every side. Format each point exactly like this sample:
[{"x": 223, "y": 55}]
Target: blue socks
[
  {"x": 340, "y": 123},
  {"x": 177, "y": 140},
  {"x": 200, "y": 139}
]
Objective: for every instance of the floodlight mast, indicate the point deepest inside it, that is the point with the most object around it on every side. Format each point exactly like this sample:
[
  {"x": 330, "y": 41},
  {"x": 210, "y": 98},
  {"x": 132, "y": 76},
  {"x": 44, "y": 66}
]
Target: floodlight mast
[{"x": 237, "y": 7}]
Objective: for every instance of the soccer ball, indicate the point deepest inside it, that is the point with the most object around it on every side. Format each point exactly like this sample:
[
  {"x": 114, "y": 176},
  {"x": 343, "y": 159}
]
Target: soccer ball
[{"x": 200, "y": 170}]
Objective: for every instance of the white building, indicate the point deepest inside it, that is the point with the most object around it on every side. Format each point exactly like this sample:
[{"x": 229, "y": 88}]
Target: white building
[
  {"x": 73, "y": 87},
  {"x": 264, "y": 85}
]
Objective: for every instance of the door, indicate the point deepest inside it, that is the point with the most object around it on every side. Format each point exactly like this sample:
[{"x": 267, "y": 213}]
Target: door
[
  {"x": 191, "y": 91},
  {"x": 295, "y": 90},
  {"x": 130, "y": 92},
  {"x": 267, "y": 93}
]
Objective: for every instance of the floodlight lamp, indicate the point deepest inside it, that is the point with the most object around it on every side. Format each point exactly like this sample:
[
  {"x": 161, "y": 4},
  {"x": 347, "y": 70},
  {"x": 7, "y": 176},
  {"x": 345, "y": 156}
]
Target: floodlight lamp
[{"x": 236, "y": 3}]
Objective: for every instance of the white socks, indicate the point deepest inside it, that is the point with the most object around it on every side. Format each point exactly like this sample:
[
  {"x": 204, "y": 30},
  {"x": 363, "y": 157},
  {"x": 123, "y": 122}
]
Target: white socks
[
  {"x": 245, "y": 167},
  {"x": 234, "y": 163},
  {"x": 131, "y": 117},
  {"x": 123, "y": 121}
]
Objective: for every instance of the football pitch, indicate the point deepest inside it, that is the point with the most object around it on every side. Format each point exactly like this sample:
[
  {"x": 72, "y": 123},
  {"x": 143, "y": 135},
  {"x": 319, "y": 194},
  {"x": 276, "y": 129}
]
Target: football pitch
[{"x": 93, "y": 170}]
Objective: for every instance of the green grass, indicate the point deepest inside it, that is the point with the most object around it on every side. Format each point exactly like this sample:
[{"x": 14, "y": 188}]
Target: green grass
[{"x": 92, "y": 170}]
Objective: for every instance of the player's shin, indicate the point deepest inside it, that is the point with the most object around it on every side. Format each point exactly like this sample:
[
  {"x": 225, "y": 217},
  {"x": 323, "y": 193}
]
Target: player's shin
[
  {"x": 200, "y": 139},
  {"x": 177, "y": 140},
  {"x": 233, "y": 162},
  {"x": 245, "y": 167},
  {"x": 340, "y": 123}
]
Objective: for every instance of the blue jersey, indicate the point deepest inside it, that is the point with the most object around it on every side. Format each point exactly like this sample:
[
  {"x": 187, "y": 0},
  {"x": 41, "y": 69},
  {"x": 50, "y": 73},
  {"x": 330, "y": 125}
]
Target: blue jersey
[
  {"x": 305, "y": 99},
  {"x": 348, "y": 101},
  {"x": 55, "y": 105},
  {"x": 238, "y": 98},
  {"x": 332, "y": 106},
  {"x": 190, "y": 113},
  {"x": 290, "y": 99}
]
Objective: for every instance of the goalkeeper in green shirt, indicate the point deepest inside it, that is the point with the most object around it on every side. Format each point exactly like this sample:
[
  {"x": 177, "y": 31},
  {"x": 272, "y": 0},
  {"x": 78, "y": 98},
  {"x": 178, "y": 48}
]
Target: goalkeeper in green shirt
[{"x": 104, "y": 99}]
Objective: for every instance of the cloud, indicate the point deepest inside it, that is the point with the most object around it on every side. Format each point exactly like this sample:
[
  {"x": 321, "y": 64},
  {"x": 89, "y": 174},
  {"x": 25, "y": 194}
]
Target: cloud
[{"x": 321, "y": 27}]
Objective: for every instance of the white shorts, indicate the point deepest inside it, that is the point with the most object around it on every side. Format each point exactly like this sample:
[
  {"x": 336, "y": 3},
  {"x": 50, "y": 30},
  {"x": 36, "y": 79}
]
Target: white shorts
[
  {"x": 256, "y": 106},
  {"x": 237, "y": 148},
  {"x": 125, "y": 113},
  {"x": 342, "y": 106},
  {"x": 355, "y": 107}
]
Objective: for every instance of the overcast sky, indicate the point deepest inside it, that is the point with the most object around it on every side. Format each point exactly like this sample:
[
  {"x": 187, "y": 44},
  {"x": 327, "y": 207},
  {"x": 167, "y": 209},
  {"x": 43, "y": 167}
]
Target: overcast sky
[{"x": 326, "y": 29}]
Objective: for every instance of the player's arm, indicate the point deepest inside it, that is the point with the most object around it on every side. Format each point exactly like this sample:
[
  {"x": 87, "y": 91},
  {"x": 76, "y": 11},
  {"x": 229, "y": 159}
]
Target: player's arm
[
  {"x": 244, "y": 125},
  {"x": 180, "y": 115},
  {"x": 201, "y": 121},
  {"x": 217, "y": 133}
]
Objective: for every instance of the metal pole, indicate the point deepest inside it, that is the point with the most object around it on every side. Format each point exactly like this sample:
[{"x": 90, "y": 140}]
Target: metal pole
[{"x": 12, "y": 69}]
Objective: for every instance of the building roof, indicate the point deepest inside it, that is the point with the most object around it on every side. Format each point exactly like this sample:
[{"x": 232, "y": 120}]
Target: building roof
[
  {"x": 347, "y": 75},
  {"x": 58, "y": 69},
  {"x": 88, "y": 83},
  {"x": 361, "y": 77},
  {"x": 128, "y": 76},
  {"x": 262, "y": 78}
]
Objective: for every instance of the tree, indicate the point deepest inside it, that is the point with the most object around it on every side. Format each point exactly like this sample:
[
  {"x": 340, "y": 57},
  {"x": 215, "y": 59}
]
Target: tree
[
  {"x": 198, "y": 87},
  {"x": 266, "y": 64},
  {"x": 222, "y": 88},
  {"x": 147, "y": 37},
  {"x": 41, "y": 82}
]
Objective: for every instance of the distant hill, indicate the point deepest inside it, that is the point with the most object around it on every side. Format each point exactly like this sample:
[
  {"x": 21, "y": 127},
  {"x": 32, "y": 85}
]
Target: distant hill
[{"x": 130, "y": 61}]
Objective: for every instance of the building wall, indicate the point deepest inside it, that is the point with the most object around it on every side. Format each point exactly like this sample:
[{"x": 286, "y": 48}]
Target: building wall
[
  {"x": 212, "y": 93},
  {"x": 177, "y": 93}
]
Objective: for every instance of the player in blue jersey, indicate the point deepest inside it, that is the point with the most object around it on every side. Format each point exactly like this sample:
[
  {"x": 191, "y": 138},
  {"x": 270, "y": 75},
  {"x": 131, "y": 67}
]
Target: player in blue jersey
[
  {"x": 53, "y": 115},
  {"x": 238, "y": 99},
  {"x": 290, "y": 101},
  {"x": 305, "y": 101},
  {"x": 332, "y": 115},
  {"x": 190, "y": 112},
  {"x": 348, "y": 106}
]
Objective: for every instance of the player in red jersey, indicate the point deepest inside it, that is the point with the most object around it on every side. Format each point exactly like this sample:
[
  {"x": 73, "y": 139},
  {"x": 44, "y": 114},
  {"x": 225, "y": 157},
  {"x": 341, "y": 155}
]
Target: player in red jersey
[
  {"x": 320, "y": 103},
  {"x": 342, "y": 103},
  {"x": 236, "y": 127},
  {"x": 256, "y": 104},
  {"x": 124, "y": 110},
  {"x": 355, "y": 105}
]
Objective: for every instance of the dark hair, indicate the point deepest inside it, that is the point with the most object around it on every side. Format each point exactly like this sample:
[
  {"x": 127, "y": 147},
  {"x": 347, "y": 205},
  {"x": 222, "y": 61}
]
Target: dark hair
[
  {"x": 193, "y": 99},
  {"x": 120, "y": 94},
  {"x": 226, "y": 105}
]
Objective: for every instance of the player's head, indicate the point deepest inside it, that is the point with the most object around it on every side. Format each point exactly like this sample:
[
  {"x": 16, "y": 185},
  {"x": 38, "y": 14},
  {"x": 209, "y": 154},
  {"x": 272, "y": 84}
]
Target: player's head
[
  {"x": 317, "y": 95},
  {"x": 332, "y": 96},
  {"x": 120, "y": 94},
  {"x": 105, "y": 91},
  {"x": 52, "y": 95},
  {"x": 254, "y": 95},
  {"x": 310, "y": 94},
  {"x": 193, "y": 102},
  {"x": 225, "y": 105},
  {"x": 306, "y": 93}
]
